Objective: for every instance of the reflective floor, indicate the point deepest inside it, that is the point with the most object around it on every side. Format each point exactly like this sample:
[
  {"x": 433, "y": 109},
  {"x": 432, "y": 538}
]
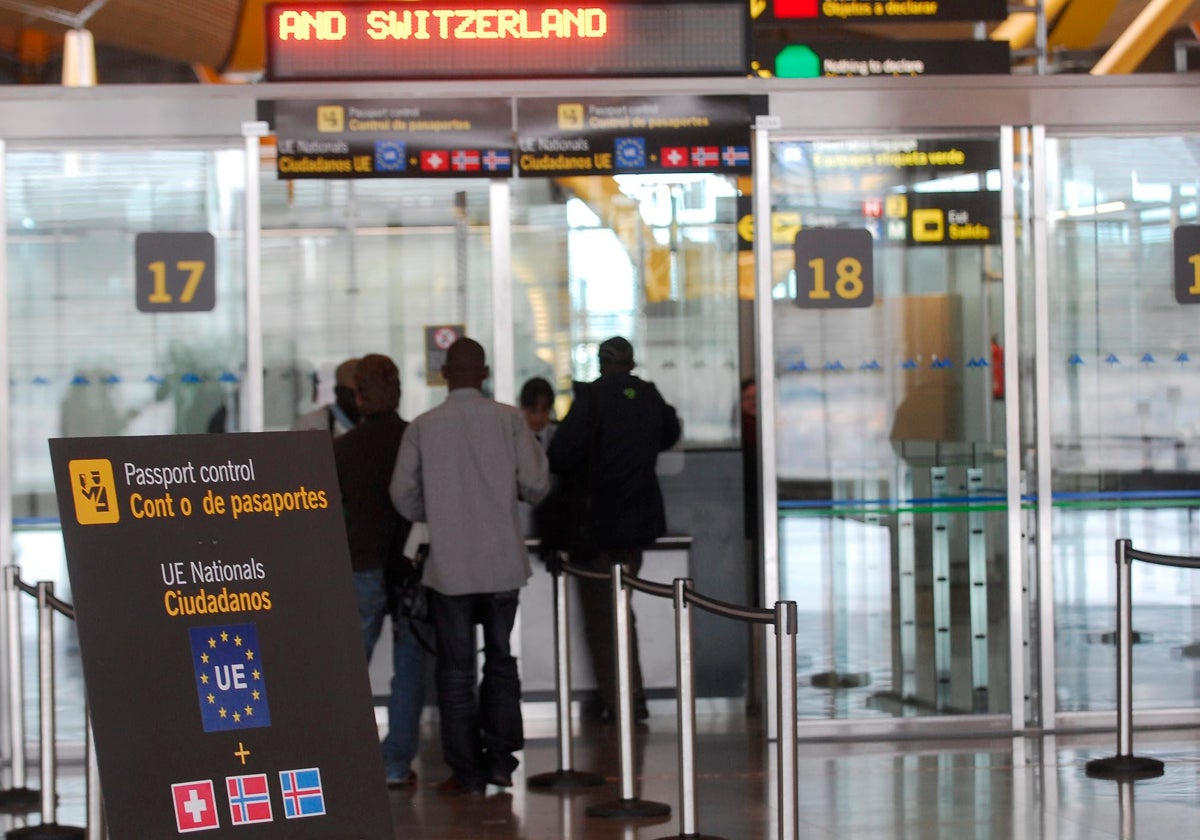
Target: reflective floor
[{"x": 1033, "y": 787}]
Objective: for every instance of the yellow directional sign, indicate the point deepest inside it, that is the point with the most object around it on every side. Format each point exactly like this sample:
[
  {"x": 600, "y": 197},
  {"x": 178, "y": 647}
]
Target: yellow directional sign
[
  {"x": 784, "y": 227},
  {"x": 745, "y": 228}
]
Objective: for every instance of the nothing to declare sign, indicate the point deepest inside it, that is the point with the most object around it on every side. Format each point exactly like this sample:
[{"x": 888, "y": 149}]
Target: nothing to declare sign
[
  {"x": 375, "y": 138},
  {"x": 220, "y": 642}
]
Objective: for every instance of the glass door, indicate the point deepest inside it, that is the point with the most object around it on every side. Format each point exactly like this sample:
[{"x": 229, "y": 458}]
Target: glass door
[
  {"x": 887, "y": 315},
  {"x": 1124, "y": 415}
]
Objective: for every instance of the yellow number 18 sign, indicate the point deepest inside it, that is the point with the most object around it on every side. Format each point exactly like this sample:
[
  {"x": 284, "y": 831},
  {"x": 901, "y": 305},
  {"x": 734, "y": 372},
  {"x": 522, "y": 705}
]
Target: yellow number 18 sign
[{"x": 834, "y": 268}]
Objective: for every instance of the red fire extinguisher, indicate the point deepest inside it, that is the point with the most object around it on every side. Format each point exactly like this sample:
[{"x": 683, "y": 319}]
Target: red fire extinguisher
[{"x": 997, "y": 370}]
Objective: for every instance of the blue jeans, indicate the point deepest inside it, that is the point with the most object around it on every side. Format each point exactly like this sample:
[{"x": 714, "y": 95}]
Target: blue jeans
[
  {"x": 408, "y": 672},
  {"x": 479, "y": 736}
]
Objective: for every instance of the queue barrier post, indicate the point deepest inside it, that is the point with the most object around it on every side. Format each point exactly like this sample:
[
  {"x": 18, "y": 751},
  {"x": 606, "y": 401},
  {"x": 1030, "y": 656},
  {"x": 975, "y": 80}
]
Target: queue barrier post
[
  {"x": 785, "y": 745},
  {"x": 686, "y": 711},
  {"x": 565, "y": 776},
  {"x": 48, "y": 829},
  {"x": 1125, "y": 765},
  {"x": 628, "y": 806},
  {"x": 18, "y": 798}
]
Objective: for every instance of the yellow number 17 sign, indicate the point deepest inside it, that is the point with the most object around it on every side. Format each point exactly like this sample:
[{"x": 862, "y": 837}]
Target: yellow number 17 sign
[
  {"x": 1187, "y": 264},
  {"x": 175, "y": 272}
]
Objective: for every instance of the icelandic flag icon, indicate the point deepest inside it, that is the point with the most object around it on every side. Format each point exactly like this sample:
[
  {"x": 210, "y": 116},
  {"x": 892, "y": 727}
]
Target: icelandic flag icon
[
  {"x": 249, "y": 799},
  {"x": 302, "y": 793},
  {"x": 230, "y": 682},
  {"x": 735, "y": 155},
  {"x": 497, "y": 160}
]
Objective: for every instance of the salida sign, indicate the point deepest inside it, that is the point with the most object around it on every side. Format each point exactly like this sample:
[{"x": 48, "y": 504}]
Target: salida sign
[{"x": 220, "y": 642}]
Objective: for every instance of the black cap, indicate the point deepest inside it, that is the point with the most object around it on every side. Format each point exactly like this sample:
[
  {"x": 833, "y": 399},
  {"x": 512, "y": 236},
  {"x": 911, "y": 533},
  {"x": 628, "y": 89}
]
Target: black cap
[{"x": 616, "y": 351}]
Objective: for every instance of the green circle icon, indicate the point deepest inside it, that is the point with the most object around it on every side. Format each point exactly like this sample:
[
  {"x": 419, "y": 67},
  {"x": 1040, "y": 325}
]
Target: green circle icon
[{"x": 797, "y": 61}]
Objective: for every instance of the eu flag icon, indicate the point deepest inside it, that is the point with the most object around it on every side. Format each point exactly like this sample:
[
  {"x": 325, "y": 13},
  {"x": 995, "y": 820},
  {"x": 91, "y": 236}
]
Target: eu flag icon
[{"x": 230, "y": 681}]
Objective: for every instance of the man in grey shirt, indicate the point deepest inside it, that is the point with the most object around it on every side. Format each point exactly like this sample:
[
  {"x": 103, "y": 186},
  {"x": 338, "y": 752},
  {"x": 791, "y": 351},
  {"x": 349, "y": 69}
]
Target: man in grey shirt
[{"x": 462, "y": 468}]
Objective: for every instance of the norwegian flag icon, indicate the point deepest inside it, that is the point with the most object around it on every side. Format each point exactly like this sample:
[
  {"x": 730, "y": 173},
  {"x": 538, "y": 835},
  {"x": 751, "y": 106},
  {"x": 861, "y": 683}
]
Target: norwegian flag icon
[
  {"x": 195, "y": 806},
  {"x": 437, "y": 160},
  {"x": 705, "y": 156},
  {"x": 464, "y": 160},
  {"x": 674, "y": 156},
  {"x": 249, "y": 799}
]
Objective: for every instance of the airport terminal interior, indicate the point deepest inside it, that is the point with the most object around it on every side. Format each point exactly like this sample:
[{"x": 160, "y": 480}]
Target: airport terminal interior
[{"x": 960, "y": 295}]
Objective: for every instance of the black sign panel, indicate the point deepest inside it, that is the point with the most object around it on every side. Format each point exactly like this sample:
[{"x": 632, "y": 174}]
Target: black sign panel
[
  {"x": 411, "y": 138},
  {"x": 635, "y": 135},
  {"x": 175, "y": 272},
  {"x": 1187, "y": 263},
  {"x": 941, "y": 219},
  {"x": 877, "y": 11},
  {"x": 908, "y": 158},
  {"x": 309, "y": 41},
  {"x": 219, "y": 636},
  {"x": 796, "y": 58},
  {"x": 835, "y": 268}
]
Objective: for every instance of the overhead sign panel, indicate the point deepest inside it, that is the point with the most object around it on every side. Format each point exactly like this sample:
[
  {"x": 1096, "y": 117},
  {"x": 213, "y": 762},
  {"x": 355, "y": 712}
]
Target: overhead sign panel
[
  {"x": 885, "y": 11},
  {"x": 219, "y": 637},
  {"x": 810, "y": 60},
  {"x": 410, "y": 138},
  {"x": 446, "y": 40},
  {"x": 636, "y": 135}
]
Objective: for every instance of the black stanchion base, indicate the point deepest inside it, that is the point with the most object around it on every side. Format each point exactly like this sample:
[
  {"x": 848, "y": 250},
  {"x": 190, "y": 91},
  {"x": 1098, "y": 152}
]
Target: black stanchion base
[
  {"x": 629, "y": 809},
  {"x": 47, "y": 831},
  {"x": 19, "y": 800},
  {"x": 832, "y": 679},
  {"x": 565, "y": 779},
  {"x": 1124, "y": 767}
]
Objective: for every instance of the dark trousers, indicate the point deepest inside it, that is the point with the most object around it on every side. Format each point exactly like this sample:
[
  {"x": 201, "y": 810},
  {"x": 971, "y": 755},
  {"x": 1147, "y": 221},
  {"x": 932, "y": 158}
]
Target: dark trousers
[
  {"x": 596, "y": 600},
  {"x": 479, "y": 734}
]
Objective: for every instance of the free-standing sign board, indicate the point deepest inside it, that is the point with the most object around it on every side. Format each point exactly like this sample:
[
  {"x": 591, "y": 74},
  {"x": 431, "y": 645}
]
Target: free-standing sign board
[{"x": 220, "y": 643}]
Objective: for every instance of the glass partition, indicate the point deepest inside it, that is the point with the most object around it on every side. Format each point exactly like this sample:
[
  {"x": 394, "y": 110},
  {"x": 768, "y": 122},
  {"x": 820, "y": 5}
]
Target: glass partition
[
  {"x": 890, "y": 423},
  {"x": 86, "y": 360},
  {"x": 1125, "y": 415},
  {"x": 356, "y": 267},
  {"x": 652, "y": 258}
]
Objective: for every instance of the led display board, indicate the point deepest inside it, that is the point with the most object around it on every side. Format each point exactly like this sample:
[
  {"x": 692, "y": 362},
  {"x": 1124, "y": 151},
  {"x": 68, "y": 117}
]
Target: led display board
[{"x": 439, "y": 40}]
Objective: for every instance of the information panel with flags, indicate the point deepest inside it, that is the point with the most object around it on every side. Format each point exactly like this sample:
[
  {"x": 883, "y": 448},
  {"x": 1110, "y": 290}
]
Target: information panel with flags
[
  {"x": 636, "y": 135},
  {"x": 219, "y": 636}
]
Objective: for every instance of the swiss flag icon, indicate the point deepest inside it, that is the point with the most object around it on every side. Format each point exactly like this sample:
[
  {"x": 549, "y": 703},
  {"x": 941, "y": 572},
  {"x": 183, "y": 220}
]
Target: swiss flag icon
[{"x": 195, "y": 806}]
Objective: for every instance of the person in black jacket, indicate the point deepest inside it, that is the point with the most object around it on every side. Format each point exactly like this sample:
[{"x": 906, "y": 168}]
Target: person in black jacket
[
  {"x": 604, "y": 454},
  {"x": 364, "y": 457}
]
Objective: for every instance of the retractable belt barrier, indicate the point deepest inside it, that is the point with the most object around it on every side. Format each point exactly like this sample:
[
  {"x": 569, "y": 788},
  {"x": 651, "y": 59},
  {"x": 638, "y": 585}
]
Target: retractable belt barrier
[
  {"x": 1125, "y": 765},
  {"x": 19, "y": 797},
  {"x": 629, "y": 805}
]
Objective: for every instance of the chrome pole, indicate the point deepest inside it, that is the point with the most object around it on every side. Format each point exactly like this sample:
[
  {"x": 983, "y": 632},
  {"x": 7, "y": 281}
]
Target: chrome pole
[
  {"x": 685, "y": 688},
  {"x": 1124, "y": 651},
  {"x": 628, "y": 806},
  {"x": 565, "y": 776},
  {"x": 785, "y": 745},
  {"x": 620, "y": 605},
  {"x": 16, "y": 687},
  {"x": 45, "y": 591},
  {"x": 562, "y": 670}
]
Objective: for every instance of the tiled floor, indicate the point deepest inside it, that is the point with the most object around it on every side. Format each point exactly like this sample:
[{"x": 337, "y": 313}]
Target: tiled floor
[{"x": 1033, "y": 787}]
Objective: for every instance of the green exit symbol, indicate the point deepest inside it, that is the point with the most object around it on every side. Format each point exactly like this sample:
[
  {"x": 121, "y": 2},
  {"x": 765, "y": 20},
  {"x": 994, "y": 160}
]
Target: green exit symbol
[{"x": 797, "y": 61}]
